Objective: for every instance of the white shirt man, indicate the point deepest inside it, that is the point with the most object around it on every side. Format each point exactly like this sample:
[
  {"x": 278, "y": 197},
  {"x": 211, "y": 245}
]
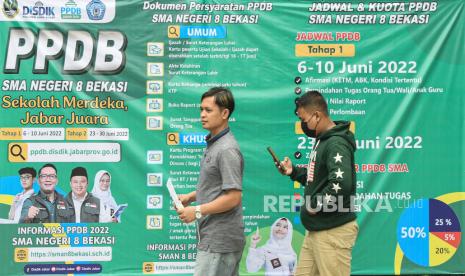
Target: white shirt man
[
  {"x": 27, "y": 176},
  {"x": 78, "y": 201}
]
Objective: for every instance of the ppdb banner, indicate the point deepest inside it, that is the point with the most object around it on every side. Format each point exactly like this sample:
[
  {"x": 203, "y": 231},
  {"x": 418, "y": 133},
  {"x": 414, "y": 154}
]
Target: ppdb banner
[{"x": 115, "y": 86}]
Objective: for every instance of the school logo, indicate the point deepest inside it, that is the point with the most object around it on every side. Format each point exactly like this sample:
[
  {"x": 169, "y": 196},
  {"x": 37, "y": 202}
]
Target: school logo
[
  {"x": 21, "y": 254},
  {"x": 95, "y": 10},
  {"x": 10, "y": 8},
  {"x": 148, "y": 268}
]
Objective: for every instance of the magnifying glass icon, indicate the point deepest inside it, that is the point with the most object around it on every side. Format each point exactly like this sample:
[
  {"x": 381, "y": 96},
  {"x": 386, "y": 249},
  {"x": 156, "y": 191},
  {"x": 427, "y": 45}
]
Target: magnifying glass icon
[
  {"x": 172, "y": 30},
  {"x": 172, "y": 138},
  {"x": 17, "y": 151}
]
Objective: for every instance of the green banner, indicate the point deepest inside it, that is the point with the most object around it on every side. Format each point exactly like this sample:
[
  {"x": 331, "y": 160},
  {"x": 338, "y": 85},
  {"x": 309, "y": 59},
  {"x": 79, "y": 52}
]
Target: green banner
[{"x": 115, "y": 86}]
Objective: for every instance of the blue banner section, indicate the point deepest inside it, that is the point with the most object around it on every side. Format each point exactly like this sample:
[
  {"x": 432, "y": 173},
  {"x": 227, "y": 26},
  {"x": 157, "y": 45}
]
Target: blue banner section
[
  {"x": 186, "y": 139},
  {"x": 202, "y": 32}
]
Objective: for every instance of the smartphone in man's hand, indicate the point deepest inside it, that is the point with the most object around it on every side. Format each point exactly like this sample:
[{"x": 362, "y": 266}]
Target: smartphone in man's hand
[{"x": 276, "y": 160}]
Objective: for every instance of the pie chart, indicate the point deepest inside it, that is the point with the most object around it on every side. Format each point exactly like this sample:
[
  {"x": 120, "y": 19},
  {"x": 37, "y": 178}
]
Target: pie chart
[{"x": 429, "y": 232}]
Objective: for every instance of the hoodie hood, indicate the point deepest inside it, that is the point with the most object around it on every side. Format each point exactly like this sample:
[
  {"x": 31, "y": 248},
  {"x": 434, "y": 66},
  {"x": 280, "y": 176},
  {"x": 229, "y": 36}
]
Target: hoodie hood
[{"x": 341, "y": 129}]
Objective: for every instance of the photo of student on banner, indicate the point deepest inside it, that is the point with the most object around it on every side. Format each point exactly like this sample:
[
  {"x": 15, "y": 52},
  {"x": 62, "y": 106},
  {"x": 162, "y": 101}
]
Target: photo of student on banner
[
  {"x": 84, "y": 206},
  {"x": 102, "y": 190},
  {"x": 27, "y": 177},
  {"x": 277, "y": 256}
]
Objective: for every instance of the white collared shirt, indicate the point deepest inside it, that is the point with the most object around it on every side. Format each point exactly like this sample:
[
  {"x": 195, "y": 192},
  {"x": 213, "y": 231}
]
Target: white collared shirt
[
  {"x": 103, "y": 216},
  {"x": 17, "y": 205}
]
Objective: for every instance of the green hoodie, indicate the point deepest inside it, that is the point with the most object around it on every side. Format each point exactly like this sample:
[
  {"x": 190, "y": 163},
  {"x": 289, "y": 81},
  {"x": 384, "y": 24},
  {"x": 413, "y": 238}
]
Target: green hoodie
[{"x": 330, "y": 185}]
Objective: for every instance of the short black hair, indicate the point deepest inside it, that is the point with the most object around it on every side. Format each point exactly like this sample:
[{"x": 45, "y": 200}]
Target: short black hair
[
  {"x": 48, "y": 165},
  {"x": 28, "y": 170},
  {"x": 223, "y": 98},
  {"x": 314, "y": 100}
]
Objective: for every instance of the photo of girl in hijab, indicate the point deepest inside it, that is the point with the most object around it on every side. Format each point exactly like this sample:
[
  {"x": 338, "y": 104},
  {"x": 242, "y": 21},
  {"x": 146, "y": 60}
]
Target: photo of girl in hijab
[
  {"x": 277, "y": 256},
  {"x": 102, "y": 191}
]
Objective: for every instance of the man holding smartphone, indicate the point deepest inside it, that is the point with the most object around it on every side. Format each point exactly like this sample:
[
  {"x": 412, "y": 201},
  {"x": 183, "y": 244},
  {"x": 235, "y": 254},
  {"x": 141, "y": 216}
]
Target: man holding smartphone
[
  {"x": 219, "y": 191},
  {"x": 329, "y": 181}
]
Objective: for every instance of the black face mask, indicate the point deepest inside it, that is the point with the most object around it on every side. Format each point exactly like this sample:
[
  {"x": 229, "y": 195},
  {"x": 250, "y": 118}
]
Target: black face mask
[{"x": 309, "y": 132}]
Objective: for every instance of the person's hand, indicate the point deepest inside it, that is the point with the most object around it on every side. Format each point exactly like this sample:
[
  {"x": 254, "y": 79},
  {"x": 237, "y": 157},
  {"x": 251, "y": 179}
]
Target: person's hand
[
  {"x": 255, "y": 239},
  {"x": 187, "y": 215},
  {"x": 185, "y": 200},
  {"x": 33, "y": 212},
  {"x": 287, "y": 165}
]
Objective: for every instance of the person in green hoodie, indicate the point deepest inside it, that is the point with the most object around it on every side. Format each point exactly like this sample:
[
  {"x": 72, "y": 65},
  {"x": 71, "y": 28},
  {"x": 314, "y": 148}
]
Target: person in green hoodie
[{"x": 329, "y": 180}]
